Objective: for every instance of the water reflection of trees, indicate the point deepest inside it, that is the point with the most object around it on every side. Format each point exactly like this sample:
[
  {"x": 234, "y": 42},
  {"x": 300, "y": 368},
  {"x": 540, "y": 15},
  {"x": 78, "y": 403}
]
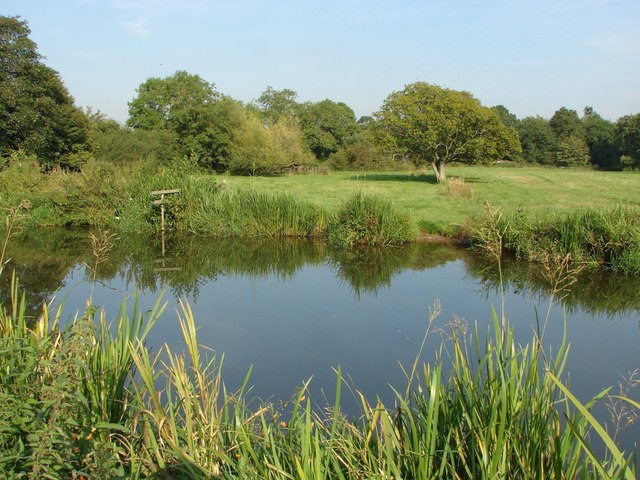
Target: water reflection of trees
[
  {"x": 190, "y": 261},
  {"x": 366, "y": 270},
  {"x": 594, "y": 291},
  {"x": 44, "y": 259},
  {"x": 41, "y": 260}
]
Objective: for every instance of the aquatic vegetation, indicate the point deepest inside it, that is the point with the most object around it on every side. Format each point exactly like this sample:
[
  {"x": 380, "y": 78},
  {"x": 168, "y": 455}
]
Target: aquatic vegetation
[
  {"x": 593, "y": 237},
  {"x": 370, "y": 220}
]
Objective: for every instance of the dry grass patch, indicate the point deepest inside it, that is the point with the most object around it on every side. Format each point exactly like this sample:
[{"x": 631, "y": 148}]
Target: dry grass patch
[{"x": 457, "y": 188}]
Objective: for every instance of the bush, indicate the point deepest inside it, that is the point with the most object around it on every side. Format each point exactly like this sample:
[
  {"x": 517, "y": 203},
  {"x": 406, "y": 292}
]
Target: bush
[
  {"x": 361, "y": 155},
  {"x": 371, "y": 220}
]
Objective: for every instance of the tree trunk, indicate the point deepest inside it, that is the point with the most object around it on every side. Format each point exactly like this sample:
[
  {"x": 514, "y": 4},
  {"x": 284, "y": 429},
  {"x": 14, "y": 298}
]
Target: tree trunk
[{"x": 438, "y": 169}]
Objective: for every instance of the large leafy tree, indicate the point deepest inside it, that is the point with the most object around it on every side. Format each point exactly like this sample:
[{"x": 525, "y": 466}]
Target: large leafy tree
[
  {"x": 187, "y": 106},
  {"x": 600, "y": 135},
  {"x": 508, "y": 118},
  {"x": 539, "y": 142},
  {"x": 571, "y": 137},
  {"x": 274, "y": 104},
  {"x": 37, "y": 114},
  {"x": 327, "y": 126},
  {"x": 436, "y": 125},
  {"x": 566, "y": 123}
]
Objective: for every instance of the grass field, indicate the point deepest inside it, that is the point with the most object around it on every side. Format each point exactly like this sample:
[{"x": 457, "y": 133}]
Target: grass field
[{"x": 438, "y": 208}]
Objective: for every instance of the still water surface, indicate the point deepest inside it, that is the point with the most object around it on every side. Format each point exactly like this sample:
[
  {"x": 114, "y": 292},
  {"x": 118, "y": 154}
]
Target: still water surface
[{"x": 297, "y": 310}]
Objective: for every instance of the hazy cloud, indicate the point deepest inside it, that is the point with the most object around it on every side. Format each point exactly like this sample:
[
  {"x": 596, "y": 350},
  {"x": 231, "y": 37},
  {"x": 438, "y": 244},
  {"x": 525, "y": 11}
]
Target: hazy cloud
[{"x": 137, "y": 28}]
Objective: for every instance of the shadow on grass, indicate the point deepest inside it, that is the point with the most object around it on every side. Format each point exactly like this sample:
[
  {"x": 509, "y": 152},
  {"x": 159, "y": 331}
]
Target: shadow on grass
[
  {"x": 395, "y": 177},
  {"x": 471, "y": 179}
]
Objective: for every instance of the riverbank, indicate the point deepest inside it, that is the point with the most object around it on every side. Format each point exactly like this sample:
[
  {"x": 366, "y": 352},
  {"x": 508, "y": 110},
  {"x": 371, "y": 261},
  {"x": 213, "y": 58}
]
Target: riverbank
[{"x": 346, "y": 209}]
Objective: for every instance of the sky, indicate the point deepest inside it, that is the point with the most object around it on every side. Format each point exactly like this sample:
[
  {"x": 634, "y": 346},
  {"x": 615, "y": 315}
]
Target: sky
[{"x": 532, "y": 56}]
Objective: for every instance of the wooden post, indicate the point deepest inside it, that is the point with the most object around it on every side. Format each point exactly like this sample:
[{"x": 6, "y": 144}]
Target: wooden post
[
  {"x": 162, "y": 213},
  {"x": 160, "y": 202}
]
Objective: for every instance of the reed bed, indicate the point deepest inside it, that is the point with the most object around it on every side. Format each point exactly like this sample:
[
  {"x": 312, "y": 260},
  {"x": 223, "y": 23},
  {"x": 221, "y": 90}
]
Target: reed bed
[
  {"x": 248, "y": 213},
  {"x": 591, "y": 237},
  {"x": 371, "y": 220},
  {"x": 90, "y": 399}
]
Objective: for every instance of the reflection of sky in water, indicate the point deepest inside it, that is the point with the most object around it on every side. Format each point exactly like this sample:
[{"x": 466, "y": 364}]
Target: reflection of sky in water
[{"x": 300, "y": 327}]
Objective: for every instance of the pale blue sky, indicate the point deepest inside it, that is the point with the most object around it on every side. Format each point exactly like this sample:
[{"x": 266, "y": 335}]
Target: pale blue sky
[{"x": 533, "y": 56}]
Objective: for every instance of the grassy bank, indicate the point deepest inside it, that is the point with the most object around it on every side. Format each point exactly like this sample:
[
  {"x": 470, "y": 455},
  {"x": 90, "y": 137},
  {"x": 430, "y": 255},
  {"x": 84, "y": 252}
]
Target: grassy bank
[
  {"x": 345, "y": 208},
  {"x": 587, "y": 237},
  {"x": 118, "y": 197},
  {"x": 441, "y": 209},
  {"x": 121, "y": 199},
  {"x": 90, "y": 399}
]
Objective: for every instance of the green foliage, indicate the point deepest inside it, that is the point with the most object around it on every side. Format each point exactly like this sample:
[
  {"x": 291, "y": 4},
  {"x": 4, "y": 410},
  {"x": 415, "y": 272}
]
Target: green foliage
[
  {"x": 508, "y": 118},
  {"x": 370, "y": 220},
  {"x": 601, "y": 139},
  {"x": 565, "y": 123},
  {"x": 628, "y": 135},
  {"x": 249, "y": 213},
  {"x": 438, "y": 126},
  {"x": 277, "y": 104},
  {"x": 257, "y": 150},
  {"x": 327, "y": 126},
  {"x": 185, "y": 105},
  {"x": 254, "y": 150},
  {"x": 362, "y": 154},
  {"x": 538, "y": 140},
  {"x": 37, "y": 114},
  {"x": 290, "y": 140},
  {"x": 608, "y": 238},
  {"x": 126, "y": 146},
  {"x": 61, "y": 415},
  {"x": 572, "y": 152}
]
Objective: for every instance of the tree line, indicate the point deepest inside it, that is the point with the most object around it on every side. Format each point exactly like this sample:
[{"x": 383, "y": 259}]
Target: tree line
[{"x": 184, "y": 121}]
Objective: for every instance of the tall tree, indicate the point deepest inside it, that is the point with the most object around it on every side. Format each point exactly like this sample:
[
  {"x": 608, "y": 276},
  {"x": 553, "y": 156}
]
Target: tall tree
[
  {"x": 37, "y": 114},
  {"x": 600, "y": 135},
  {"x": 628, "y": 136},
  {"x": 571, "y": 139},
  {"x": 186, "y": 105},
  {"x": 437, "y": 125},
  {"x": 538, "y": 140},
  {"x": 327, "y": 126},
  {"x": 276, "y": 104},
  {"x": 565, "y": 123},
  {"x": 508, "y": 118}
]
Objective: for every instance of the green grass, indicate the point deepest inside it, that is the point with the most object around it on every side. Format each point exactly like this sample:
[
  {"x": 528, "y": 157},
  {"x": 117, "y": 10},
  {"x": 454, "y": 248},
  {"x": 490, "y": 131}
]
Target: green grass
[
  {"x": 417, "y": 194},
  {"x": 582, "y": 237},
  {"x": 108, "y": 196}
]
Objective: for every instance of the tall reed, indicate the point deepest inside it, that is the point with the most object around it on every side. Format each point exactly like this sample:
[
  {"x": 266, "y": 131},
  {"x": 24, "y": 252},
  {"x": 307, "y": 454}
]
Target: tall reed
[
  {"x": 370, "y": 220},
  {"x": 501, "y": 412},
  {"x": 248, "y": 213},
  {"x": 609, "y": 238}
]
